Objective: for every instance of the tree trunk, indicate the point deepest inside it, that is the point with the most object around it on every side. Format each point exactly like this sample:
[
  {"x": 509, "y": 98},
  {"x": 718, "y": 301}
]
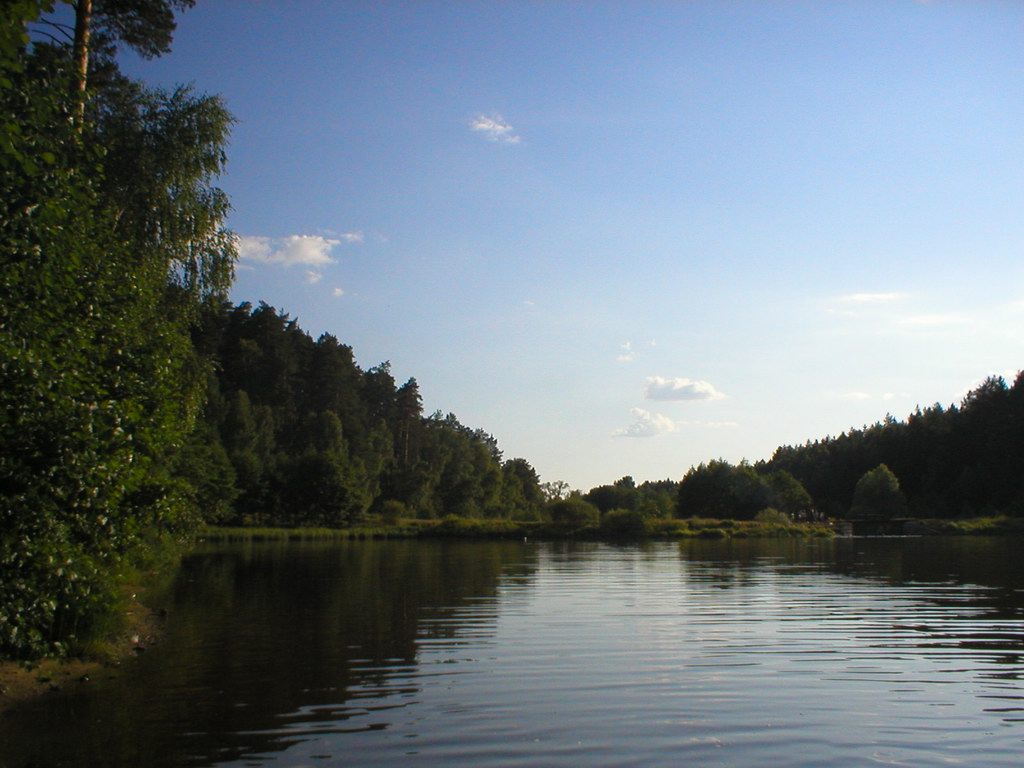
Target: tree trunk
[{"x": 83, "y": 21}]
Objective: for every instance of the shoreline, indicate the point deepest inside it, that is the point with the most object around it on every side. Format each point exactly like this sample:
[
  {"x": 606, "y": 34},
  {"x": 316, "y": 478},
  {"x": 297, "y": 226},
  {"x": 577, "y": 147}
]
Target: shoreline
[
  {"x": 673, "y": 529},
  {"x": 25, "y": 681}
]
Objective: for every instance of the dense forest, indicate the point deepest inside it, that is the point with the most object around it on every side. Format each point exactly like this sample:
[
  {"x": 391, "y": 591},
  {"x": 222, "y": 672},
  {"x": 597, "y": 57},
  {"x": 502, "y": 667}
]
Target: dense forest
[
  {"x": 950, "y": 462},
  {"x": 959, "y": 461},
  {"x": 294, "y": 432}
]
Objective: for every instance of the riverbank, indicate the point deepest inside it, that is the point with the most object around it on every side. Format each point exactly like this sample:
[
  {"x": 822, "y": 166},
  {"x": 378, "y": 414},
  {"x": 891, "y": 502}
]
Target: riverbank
[
  {"x": 134, "y": 623},
  {"x": 139, "y": 628},
  {"x": 625, "y": 528}
]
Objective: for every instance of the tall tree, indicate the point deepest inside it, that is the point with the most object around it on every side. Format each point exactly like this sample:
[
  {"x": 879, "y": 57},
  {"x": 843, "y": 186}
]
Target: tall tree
[
  {"x": 99, "y": 385},
  {"x": 146, "y": 26}
]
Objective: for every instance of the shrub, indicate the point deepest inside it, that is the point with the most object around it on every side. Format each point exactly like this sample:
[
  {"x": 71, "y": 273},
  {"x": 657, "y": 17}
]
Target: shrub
[
  {"x": 772, "y": 515},
  {"x": 624, "y": 523},
  {"x": 392, "y": 510},
  {"x": 573, "y": 512}
]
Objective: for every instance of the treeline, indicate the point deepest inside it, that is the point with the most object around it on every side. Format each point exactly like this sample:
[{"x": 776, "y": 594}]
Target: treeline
[
  {"x": 111, "y": 242},
  {"x": 295, "y": 433},
  {"x": 959, "y": 461}
]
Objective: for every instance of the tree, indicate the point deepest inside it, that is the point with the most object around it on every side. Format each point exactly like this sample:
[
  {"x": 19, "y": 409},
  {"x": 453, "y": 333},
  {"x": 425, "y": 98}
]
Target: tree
[
  {"x": 555, "y": 490},
  {"x": 146, "y": 26},
  {"x": 99, "y": 385},
  {"x": 521, "y": 494},
  {"x": 878, "y": 495},
  {"x": 573, "y": 512},
  {"x": 408, "y": 415},
  {"x": 790, "y": 496},
  {"x": 620, "y": 495}
]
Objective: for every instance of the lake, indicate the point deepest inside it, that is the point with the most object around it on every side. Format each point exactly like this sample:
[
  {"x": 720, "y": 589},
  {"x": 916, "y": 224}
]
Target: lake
[{"x": 847, "y": 652}]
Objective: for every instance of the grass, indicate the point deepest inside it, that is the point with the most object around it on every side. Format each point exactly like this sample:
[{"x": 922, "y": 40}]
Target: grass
[
  {"x": 669, "y": 529},
  {"x": 225, "y": 533},
  {"x": 991, "y": 525},
  {"x": 475, "y": 528}
]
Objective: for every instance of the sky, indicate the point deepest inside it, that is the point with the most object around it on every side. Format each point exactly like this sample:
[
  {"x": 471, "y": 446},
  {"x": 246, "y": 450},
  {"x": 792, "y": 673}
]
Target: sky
[{"x": 626, "y": 238}]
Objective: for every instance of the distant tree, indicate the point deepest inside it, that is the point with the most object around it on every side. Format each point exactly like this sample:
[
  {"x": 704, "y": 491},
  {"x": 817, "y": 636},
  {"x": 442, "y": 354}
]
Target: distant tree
[
  {"x": 624, "y": 524},
  {"x": 555, "y": 490},
  {"x": 620, "y": 495},
  {"x": 657, "y": 498},
  {"x": 878, "y": 495},
  {"x": 719, "y": 489},
  {"x": 573, "y": 512},
  {"x": 521, "y": 495},
  {"x": 789, "y": 495},
  {"x": 408, "y": 415}
]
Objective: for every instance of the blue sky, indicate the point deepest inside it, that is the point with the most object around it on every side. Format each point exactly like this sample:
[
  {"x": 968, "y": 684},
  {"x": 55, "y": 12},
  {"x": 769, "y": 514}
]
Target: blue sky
[{"x": 629, "y": 237}]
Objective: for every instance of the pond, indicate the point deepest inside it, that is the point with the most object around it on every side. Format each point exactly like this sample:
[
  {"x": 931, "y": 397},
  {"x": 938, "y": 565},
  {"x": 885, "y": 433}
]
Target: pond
[{"x": 733, "y": 653}]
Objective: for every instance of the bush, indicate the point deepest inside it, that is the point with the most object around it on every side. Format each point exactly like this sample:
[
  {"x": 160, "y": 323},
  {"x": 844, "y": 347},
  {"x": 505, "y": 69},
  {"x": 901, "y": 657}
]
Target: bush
[
  {"x": 392, "y": 510},
  {"x": 573, "y": 512},
  {"x": 624, "y": 523},
  {"x": 772, "y": 515}
]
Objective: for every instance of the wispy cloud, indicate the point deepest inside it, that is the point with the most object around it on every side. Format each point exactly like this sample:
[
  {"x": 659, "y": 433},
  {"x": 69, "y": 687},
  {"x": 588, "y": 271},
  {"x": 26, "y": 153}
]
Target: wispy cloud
[
  {"x": 871, "y": 298},
  {"x": 338, "y": 293},
  {"x": 313, "y": 277},
  {"x": 934, "y": 320},
  {"x": 646, "y": 424},
  {"x": 312, "y": 250},
  {"x": 628, "y": 351},
  {"x": 346, "y": 237},
  {"x": 708, "y": 424},
  {"x": 495, "y": 128},
  {"x": 853, "y": 396},
  {"x": 857, "y": 304},
  {"x": 660, "y": 388},
  {"x": 857, "y": 395}
]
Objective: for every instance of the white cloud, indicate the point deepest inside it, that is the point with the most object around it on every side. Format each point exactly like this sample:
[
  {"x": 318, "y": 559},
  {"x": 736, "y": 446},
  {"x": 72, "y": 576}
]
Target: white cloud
[
  {"x": 660, "y": 388},
  {"x": 494, "y": 128},
  {"x": 313, "y": 277},
  {"x": 871, "y": 298},
  {"x": 313, "y": 250},
  {"x": 338, "y": 293},
  {"x": 646, "y": 424},
  {"x": 627, "y": 354}
]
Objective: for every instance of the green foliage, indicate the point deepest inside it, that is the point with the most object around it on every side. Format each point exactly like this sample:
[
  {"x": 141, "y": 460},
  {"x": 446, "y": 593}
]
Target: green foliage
[
  {"x": 772, "y": 515},
  {"x": 624, "y": 524},
  {"x": 315, "y": 440},
  {"x": 878, "y": 496},
  {"x": 620, "y": 495},
  {"x": 573, "y": 512},
  {"x": 146, "y": 26},
  {"x": 719, "y": 489},
  {"x": 98, "y": 381},
  {"x": 392, "y": 510}
]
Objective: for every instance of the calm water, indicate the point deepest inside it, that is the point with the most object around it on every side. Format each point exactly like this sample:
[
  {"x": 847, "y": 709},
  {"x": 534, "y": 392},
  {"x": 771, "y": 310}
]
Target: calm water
[{"x": 850, "y": 652}]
